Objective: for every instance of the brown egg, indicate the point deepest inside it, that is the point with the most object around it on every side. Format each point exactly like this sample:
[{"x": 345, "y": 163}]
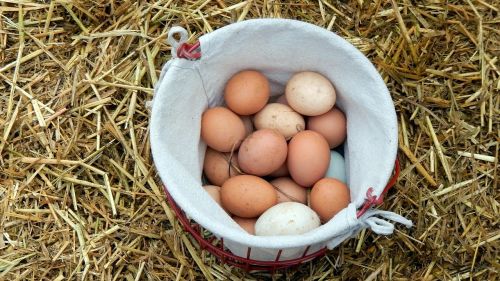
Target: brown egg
[
  {"x": 308, "y": 157},
  {"x": 262, "y": 152},
  {"x": 214, "y": 192},
  {"x": 217, "y": 168},
  {"x": 331, "y": 125},
  {"x": 328, "y": 197},
  {"x": 310, "y": 93},
  {"x": 280, "y": 172},
  {"x": 221, "y": 129},
  {"x": 247, "y": 92},
  {"x": 247, "y": 224},
  {"x": 247, "y": 196},
  {"x": 281, "y": 118},
  {"x": 247, "y": 121},
  {"x": 289, "y": 191}
]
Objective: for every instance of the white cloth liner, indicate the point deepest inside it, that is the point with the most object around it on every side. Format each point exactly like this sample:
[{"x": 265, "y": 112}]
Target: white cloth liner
[{"x": 278, "y": 48}]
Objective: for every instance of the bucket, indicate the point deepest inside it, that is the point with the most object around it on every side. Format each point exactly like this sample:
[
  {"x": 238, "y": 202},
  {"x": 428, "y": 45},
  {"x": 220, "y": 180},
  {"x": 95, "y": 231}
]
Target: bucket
[{"x": 194, "y": 79}]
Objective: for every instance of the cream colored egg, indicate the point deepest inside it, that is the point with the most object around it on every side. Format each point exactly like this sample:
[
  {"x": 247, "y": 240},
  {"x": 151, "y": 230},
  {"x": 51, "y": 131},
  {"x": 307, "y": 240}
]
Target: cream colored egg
[
  {"x": 310, "y": 93},
  {"x": 288, "y": 218},
  {"x": 281, "y": 118}
]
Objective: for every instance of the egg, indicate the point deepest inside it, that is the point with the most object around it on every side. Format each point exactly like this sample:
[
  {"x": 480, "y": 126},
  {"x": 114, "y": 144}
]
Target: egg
[
  {"x": 332, "y": 125},
  {"x": 280, "y": 172},
  {"x": 310, "y": 93},
  {"x": 247, "y": 224},
  {"x": 247, "y": 92},
  {"x": 247, "y": 196},
  {"x": 328, "y": 197},
  {"x": 247, "y": 121},
  {"x": 221, "y": 129},
  {"x": 282, "y": 99},
  {"x": 288, "y": 218},
  {"x": 308, "y": 157},
  {"x": 281, "y": 118},
  {"x": 262, "y": 152},
  {"x": 214, "y": 192},
  {"x": 289, "y": 191},
  {"x": 218, "y": 168},
  {"x": 336, "y": 169}
]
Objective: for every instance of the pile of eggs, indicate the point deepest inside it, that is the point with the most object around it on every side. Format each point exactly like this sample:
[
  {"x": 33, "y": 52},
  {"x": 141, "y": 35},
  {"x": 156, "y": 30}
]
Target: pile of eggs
[{"x": 272, "y": 165}]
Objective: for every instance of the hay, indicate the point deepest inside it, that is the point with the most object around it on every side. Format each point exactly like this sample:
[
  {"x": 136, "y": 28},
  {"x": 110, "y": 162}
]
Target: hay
[{"x": 78, "y": 194}]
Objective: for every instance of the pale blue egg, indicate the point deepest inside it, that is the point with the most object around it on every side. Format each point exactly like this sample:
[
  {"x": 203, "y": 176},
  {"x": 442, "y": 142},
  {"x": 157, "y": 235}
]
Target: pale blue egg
[{"x": 336, "y": 169}]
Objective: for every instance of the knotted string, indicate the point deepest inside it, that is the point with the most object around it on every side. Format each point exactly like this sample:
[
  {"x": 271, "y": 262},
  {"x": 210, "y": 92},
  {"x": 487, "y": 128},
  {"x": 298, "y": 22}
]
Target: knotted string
[
  {"x": 372, "y": 200},
  {"x": 380, "y": 226},
  {"x": 181, "y": 49}
]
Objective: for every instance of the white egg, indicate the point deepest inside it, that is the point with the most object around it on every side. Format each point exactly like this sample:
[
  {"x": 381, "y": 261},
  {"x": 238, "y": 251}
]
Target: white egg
[
  {"x": 310, "y": 93},
  {"x": 280, "y": 117},
  {"x": 288, "y": 218},
  {"x": 336, "y": 169}
]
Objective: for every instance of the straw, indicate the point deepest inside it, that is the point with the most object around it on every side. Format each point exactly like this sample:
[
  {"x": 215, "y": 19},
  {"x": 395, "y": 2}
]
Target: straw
[{"x": 79, "y": 196}]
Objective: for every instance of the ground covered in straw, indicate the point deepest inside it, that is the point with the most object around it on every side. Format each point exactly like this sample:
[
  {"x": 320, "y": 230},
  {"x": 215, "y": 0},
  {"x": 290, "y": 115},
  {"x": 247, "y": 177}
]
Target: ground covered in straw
[{"x": 79, "y": 197}]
